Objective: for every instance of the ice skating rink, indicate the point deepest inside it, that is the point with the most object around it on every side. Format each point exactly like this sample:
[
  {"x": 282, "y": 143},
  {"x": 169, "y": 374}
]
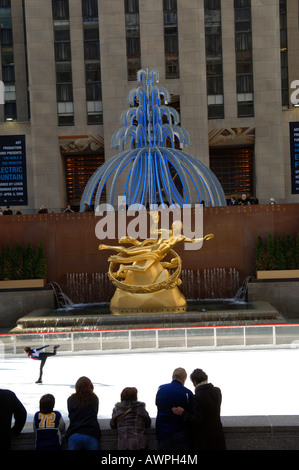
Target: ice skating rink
[{"x": 253, "y": 382}]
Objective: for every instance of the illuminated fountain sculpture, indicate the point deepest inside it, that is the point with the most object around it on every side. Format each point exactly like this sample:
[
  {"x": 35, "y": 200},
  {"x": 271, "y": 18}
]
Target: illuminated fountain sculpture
[
  {"x": 151, "y": 168},
  {"x": 152, "y": 172}
]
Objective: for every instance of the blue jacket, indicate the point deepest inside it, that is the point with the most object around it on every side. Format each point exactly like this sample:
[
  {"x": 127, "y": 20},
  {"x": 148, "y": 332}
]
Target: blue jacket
[
  {"x": 35, "y": 354},
  {"x": 169, "y": 396},
  {"x": 49, "y": 429}
]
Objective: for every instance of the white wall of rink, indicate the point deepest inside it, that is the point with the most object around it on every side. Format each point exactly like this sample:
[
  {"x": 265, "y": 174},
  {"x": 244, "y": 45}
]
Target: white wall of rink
[{"x": 253, "y": 382}]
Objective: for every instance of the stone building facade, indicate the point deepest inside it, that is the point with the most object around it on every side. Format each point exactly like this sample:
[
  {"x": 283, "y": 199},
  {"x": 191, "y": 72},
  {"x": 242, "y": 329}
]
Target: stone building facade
[{"x": 68, "y": 66}]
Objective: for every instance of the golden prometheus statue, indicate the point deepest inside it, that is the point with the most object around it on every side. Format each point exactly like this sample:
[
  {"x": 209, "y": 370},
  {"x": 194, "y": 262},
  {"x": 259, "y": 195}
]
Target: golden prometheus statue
[{"x": 142, "y": 279}]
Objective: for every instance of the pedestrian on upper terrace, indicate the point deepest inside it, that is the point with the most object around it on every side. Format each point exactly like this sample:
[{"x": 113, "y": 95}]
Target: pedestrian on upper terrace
[
  {"x": 170, "y": 428},
  {"x": 10, "y": 406},
  {"x": 1, "y": 213},
  {"x": 8, "y": 211},
  {"x": 233, "y": 201},
  {"x": 68, "y": 209},
  {"x": 42, "y": 210},
  {"x": 130, "y": 418},
  {"x": 87, "y": 207},
  {"x": 203, "y": 420},
  {"x": 244, "y": 201}
]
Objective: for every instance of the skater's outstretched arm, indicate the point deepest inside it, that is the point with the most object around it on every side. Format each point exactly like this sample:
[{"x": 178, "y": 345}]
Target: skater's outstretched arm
[{"x": 42, "y": 347}]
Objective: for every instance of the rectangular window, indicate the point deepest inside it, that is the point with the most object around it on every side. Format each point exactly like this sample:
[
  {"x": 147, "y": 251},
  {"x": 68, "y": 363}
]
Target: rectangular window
[
  {"x": 244, "y": 67},
  {"x": 214, "y": 67},
  {"x": 234, "y": 169},
  {"x": 78, "y": 170},
  {"x": 63, "y": 62},
  {"x": 171, "y": 39},
  {"x": 92, "y": 61},
  {"x": 132, "y": 38}
]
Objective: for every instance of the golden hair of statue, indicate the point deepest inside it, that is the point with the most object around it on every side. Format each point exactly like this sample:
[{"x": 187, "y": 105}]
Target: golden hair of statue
[{"x": 141, "y": 275}]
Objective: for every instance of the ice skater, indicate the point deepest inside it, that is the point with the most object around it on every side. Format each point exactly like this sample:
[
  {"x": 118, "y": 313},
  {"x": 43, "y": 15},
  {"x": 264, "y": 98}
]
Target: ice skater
[{"x": 40, "y": 356}]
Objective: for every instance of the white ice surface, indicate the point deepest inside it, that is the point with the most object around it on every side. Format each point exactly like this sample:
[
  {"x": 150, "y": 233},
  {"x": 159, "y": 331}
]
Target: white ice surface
[{"x": 253, "y": 382}]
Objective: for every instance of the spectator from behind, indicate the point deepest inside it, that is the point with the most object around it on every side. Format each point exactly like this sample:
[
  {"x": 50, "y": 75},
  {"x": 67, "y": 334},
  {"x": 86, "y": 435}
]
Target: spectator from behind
[
  {"x": 48, "y": 425},
  {"x": 130, "y": 418},
  {"x": 203, "y": 420},
  {"x": 170, "y": 428},
  {"x": 84, "y": 431},
  {"x": 10, "y": 406}
]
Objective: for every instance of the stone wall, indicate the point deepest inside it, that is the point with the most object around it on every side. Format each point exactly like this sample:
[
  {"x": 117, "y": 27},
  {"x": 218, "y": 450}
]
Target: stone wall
[
  {"x": 241, "y": 433},
  {"x": 216, "y": 270},
  {"x": 282, "y": 294},
  {"x": 15, "y": 304}
]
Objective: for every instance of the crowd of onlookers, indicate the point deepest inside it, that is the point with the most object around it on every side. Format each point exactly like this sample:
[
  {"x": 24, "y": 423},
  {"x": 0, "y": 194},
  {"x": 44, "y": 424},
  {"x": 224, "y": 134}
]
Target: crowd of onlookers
[
  {"x": 185, "y": 421},
  {"x": 244, "y": 200}
]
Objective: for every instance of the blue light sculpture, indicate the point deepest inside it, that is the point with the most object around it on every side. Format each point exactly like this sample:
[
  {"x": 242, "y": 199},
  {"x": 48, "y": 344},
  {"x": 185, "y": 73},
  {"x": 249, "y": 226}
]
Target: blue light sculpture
[{"x": 150, "y": 170}]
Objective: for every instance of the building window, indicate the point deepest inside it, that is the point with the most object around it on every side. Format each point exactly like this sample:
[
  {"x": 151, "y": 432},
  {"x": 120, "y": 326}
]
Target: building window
[
  {"x": 214, "y": 67},
  {"x": 234, "y": 169},
  {"x": 132, "y": 38},
  {"x": 171, "y": 39},
  {"x": 92, "y": 61},
  {"x": 63, "y": 62},
  {"x": 284, "y": 54},
  {"x": 244, "y": 67},
  {"x": 78, "y": 171},
  {"x": 7, "y": 61}
]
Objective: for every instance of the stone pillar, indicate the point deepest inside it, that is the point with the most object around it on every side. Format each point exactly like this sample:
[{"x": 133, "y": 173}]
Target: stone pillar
[
  {"x": 47, "y": 186},
  {"x": 269, "y": 165}
]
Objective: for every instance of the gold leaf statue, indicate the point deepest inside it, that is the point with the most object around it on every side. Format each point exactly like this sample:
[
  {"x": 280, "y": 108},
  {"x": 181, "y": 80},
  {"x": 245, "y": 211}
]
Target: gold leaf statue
[{"x": 143, "y": 281}]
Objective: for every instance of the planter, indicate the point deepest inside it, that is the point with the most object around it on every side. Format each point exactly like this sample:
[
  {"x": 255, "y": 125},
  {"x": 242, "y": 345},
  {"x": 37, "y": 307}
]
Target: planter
[
  {"x": 278, "y": 274},
  {"x": 22, "y": 284}
]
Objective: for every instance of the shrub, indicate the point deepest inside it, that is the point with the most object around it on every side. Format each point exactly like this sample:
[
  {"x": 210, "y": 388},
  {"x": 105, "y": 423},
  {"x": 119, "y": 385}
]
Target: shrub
[
  {"x": 7, "y": 262},
  {"x": 280, "y": 253},
  {"x": 290, "y": 253},
  {"x": 28, "y": 265},
  {"x": 270, "y": 253},
  {"x": 17, "y": 258},
  {"x": 40, "y": 263}
]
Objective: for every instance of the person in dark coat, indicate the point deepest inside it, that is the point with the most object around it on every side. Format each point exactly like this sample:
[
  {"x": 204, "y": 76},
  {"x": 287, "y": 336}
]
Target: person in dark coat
[
  {"x": 130, "y": 418},
  {"x": 203, "y": 420},
  {"x": 170, "y": 429},
  {"x": 84, "y": 431},
  {"x": 10, "y": 406}
]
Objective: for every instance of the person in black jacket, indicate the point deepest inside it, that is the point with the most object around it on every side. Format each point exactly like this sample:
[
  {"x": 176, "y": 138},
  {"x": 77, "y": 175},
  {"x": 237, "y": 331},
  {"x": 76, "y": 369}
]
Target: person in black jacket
[
  {"x": 203, "y": 420},
  {"x": 10, "y": 406},
  {"x": 84, "y": 431}
]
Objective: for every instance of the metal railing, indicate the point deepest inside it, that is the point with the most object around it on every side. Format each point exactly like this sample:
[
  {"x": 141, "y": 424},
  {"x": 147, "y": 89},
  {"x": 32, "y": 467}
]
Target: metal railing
[{"x": 158, "y": 339}]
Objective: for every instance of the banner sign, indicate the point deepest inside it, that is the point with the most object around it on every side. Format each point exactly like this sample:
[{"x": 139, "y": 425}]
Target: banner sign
[
  {"x": 13, "y": 178},
  {"x": 294, "y": 147}
]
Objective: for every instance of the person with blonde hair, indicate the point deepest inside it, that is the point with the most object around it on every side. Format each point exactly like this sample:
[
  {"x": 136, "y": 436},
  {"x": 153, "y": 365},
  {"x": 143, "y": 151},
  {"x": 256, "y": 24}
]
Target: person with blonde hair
[{"x": 84, "y": 431}]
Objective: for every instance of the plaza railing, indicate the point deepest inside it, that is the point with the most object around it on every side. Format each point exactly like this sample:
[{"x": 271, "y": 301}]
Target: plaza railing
[{"x": 157, "y": 339}]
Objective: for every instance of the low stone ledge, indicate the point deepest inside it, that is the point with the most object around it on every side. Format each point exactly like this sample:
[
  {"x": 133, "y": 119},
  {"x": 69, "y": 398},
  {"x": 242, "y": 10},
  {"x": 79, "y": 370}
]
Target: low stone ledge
[
  {"x": 241, "y": 433},
  {"x": 16, "y": 303}
]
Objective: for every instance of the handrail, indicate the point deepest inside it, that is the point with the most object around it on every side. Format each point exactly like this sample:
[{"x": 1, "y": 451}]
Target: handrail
[{"x": 159, "y": 339}]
